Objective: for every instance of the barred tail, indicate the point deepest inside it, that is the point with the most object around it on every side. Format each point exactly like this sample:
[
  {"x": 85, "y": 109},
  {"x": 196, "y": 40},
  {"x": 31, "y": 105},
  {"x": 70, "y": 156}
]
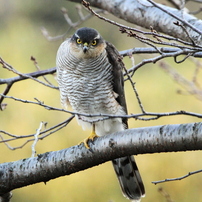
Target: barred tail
[{"x": 129, "y": 178}]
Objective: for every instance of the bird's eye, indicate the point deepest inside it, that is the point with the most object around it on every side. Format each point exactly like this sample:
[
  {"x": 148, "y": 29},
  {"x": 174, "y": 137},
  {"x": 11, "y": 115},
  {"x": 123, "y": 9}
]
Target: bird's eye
[
  {"x": 79, "y": 41},
  {"x": 94, "y": 42}
]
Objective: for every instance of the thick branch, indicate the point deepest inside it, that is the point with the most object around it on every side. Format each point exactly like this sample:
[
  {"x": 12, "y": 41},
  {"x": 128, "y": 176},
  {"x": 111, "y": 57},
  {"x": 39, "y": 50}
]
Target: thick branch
[
  {"x": 145, "y": 14},
  {"x": 51, "y": 165}
]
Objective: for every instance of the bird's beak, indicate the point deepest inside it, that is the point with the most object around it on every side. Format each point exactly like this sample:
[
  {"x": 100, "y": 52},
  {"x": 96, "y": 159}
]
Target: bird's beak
[{"x": 85, "y": 47}]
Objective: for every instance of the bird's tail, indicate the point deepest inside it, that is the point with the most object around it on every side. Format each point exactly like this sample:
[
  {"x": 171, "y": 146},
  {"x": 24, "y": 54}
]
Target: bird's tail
[{"x": 129, "y": 178}]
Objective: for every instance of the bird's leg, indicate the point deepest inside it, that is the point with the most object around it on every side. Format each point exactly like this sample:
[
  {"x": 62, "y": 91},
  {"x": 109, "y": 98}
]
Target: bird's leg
[{"x": 91, "y": 137}]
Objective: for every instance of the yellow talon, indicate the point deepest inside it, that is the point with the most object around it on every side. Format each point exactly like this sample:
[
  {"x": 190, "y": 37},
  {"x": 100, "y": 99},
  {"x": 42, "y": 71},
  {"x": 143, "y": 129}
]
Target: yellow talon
[{"x": 91, "y": 137}]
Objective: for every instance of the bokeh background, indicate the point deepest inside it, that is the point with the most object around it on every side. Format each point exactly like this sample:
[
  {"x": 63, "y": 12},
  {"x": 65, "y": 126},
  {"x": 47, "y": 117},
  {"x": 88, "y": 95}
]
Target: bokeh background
[{"x": 21, "y": 38}]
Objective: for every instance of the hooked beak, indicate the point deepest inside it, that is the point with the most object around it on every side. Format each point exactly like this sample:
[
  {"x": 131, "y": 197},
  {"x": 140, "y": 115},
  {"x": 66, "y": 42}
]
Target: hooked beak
[{"x": 85, "y": 47}]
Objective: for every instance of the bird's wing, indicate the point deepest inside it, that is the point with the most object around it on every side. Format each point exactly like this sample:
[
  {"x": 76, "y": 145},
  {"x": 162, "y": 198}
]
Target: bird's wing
[
  {"x": 60, "y": 66},
  {"x": 118, "y": 80},
  {"x": 125, "y": 167}
]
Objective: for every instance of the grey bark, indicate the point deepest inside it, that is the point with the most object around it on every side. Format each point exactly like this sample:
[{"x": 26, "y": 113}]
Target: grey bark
[
  {"x": 50, "y": 165},
  {"x": 144, "y": 14}
]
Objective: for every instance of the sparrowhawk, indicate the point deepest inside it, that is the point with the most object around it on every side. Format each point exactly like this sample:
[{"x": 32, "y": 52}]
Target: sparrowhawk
[{"x": 89, "y": 74}]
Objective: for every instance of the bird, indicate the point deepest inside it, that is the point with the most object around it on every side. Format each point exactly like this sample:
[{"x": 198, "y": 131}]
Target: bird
[{"x": 90, "y": 80}]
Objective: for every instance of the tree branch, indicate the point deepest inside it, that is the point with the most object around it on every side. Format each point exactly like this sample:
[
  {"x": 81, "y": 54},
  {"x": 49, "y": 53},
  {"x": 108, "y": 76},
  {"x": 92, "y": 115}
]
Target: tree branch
[
  {"x": 178, "y": 16},
  {"x": 144, "y": 14},
  {"x": 150, "y": 50},
  {"x": 177, "y": 178},
  {"x": 28, "y": 75},
  {"x": 72, "y": 25},
  {"x": 50, "y": 165}
]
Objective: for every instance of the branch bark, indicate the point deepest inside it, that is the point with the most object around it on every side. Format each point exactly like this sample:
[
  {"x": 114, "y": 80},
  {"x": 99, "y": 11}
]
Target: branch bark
[
  {"x": 145, "y": 14},
  {"x": 50, "y": 165},
  {"x": 32, "y": 74}
]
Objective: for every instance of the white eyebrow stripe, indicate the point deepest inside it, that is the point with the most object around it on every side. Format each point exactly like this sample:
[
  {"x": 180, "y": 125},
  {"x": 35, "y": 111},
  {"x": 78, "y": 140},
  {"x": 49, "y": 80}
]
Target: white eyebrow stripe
[
  {"x": 76, "y": 35},
  {"x": 97, "y": 37}
]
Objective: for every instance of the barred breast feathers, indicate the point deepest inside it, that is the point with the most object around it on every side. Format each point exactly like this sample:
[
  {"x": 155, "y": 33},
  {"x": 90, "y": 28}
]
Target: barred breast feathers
[{"x": 87, "y": 84}]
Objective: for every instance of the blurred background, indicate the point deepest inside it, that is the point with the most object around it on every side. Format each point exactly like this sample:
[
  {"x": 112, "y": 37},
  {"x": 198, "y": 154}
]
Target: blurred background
[{"x": 20, "y": 38}]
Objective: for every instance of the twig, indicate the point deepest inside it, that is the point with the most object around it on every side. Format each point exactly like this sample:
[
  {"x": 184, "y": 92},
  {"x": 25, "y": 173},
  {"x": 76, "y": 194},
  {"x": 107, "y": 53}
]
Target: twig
[
  {"x": 67, "y": 18},
  {"x": 10, "y": 81},
  {"x": 5, "y": 142},
  {"x": 142, "y": 116},
  {"x": 109, "y": 116},
  {"x": 28, "y": 75},
  {"x": 154, "y": 60},
  {"x": 185, "y": 30},
  {"x": 38, "y": 68},
  {"x": 10, "y": 68},
  {"x": 36, "y": 139},
  {"x": 7, "y": 89},
  {"x": 46, "y": 34},
  {"x": 135, "y": 90},
  {"x": 149, "y": 50},
  {"x": 72, "y": 25},
  {"x": 177, "y": 178},
  {"x": 180, "y": 61},
  {"x": 46, "y": 133},
  {"x": 160, "y": 42}
]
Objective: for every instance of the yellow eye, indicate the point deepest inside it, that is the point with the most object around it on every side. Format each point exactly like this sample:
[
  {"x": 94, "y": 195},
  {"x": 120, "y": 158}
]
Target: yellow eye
[
  {"x": 94, "y": 42},
  {"x": 78, "y": 41}
]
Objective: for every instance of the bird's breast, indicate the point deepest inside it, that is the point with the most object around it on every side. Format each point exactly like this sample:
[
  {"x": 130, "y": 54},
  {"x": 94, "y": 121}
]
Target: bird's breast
[{"x": 87, "y": 84}]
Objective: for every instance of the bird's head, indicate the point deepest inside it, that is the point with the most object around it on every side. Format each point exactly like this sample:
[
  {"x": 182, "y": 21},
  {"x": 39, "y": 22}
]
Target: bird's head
[{"x": 87, "y": 43}]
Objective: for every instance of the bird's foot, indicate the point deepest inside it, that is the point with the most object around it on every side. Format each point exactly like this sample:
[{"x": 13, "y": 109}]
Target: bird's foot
[{"x": 91, "y": 137}]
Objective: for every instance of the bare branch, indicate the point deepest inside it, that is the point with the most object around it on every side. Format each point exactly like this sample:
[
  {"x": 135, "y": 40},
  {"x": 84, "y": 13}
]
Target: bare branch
[
  {"x": 153, "y": 60},
  {"x": 177, "y": 178},
  {"x": 188, "y": 85},
  {"x": 36, "y": 139},
  {"x": 135, "y": 91},
  {"x": 140, "y": 50},
  {"x": 38, "y": 68},
  {"x": 109, "y": 116},
  {"x": 144, "y": 14},
  {"x": 10, "y": 81},
  {"x": 44, "y": 134},
  {"x": 28, "y": 75},
  {"x": 72, "y": 25},
  {"x": 132, "y": 141},
  {"x": 10, "y": 68},
  {"x": 192, "y": 48}
]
